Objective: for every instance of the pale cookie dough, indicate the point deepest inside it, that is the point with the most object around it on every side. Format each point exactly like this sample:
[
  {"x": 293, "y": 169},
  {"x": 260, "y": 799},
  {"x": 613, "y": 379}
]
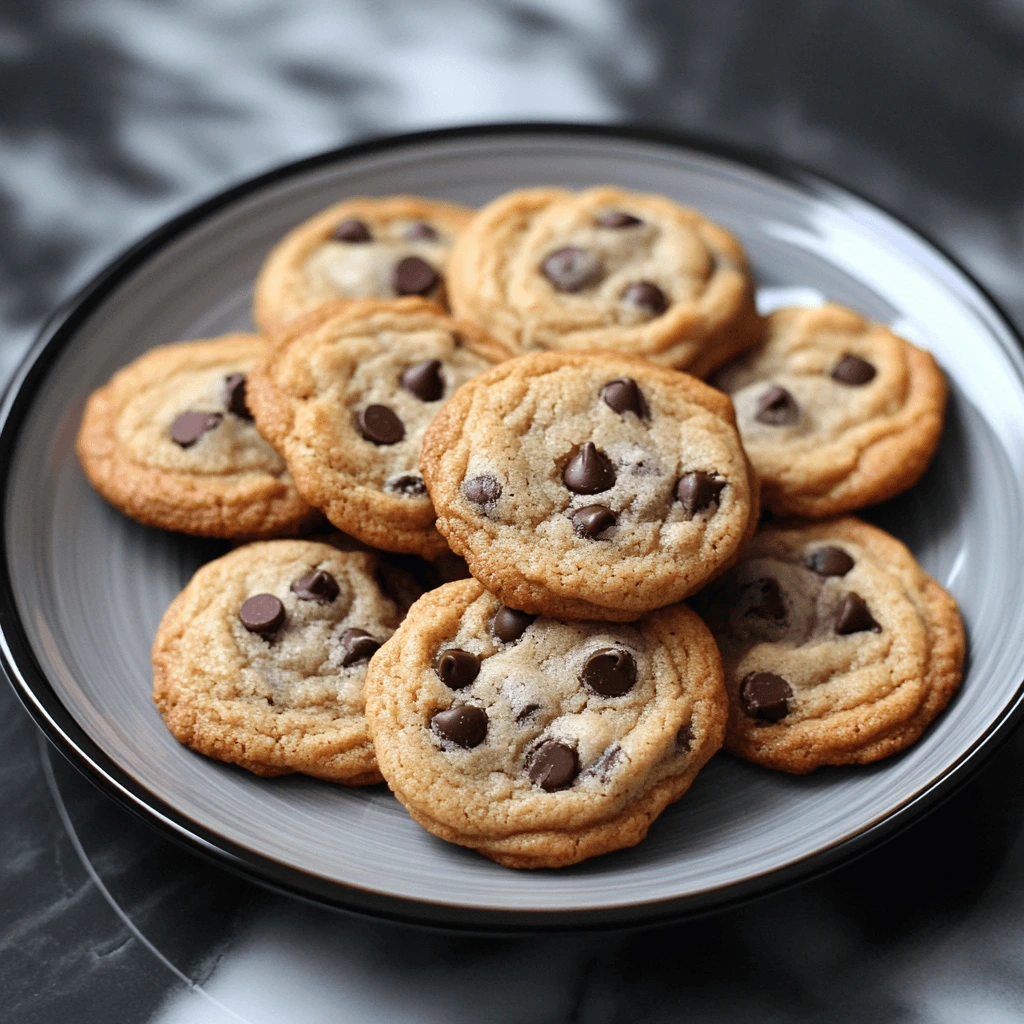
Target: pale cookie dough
[
  {"x": 835, "y": 412},
  {"x": 540, "y": 743},
  {"x": 260, "y": 660},
  {"x": 362, "y": 248},
  {"x": 606, "y": 269},
  {"x": 346, "y": 398},
  {"x": 590, "y": 485},
  {"x": 838, "y": 647},
  {"x": 170, "y": 441}
]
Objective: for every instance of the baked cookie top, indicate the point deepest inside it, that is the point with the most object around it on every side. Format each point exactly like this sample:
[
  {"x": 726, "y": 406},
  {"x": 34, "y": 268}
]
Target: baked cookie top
[
  {"x": 362, "y": 248},
  {"x": 346, "y": 398},
  {"x": 589, "y": 485},
  {"x": 836, "y": 412},
  {"x": 838, "y": 648},
  {"x": 605, "y": 269},
  {"x": 539, "y": 742},
  {"x": 260, "y": 660},
  {"x": 170, "y": 441}
]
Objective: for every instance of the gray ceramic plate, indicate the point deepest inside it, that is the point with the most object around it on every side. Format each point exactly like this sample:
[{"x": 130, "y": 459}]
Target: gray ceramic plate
[{"x": 83, "y": 588}]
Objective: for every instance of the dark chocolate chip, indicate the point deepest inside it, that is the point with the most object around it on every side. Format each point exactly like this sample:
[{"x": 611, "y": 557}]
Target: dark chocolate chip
[
  {"x": 593, "y": 520},
  {"x": 357, "y": 646},
  {"x": 409, "y": 485},
  {"x": 777, "y": 407},
  {"x": 684, "y": 738},
  {"x": 647, "y": 296},
  {"x": 509, "y": 624},
  {"x": 624, "y": 395},
  {"x": 603, "y": 766},
  {"x": 853, "y": 370},
  {"x": 262, "y": 613},
  {"x": 457, "y": 669},
  {"x": 377, "y": 423},
  {"x": 527, "y": 713},
  {"x": 424, "y": 380},
  {"x": 617, "y": 219},
  {"x": 351, "y": 229},
  {"x": 553, "y": 766},
  {"x": 571, "y": 269},
  {"x": 769, "y": 603},
  {"x": 765, "y": 695},
  {"x": 190, "y": 426},
  {"x": 465, "y": 726},
  {"x": 421, "y": 232},
  {"x": 319, "y": 585},
  {"x": 481, "y": 490},
  {"x": 698, "y": 491},
  {"x": 829, "y": 561},
  {"x": 611, "y": 672},
  {"x": 854, "y": 616},
  {"x": 234, "y": 396},
  {"x": 589, "y": 471},
  {"x": 413, "y": 276}
]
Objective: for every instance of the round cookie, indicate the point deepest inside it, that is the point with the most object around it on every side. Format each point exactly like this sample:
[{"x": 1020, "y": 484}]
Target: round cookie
[
  {"x": 835, "y": 412},
  {"x": 346, "y": 398},
  {"x": 606, "y": 269},
  {"x": 260, "y": 660},
  {"x": 362, "y": 248},
  {"x": 170, "y": 441},
  {"x": 540, "y": 743},
  {"x": 590, "y": 486},
  {"x": 838, "y": 648}
]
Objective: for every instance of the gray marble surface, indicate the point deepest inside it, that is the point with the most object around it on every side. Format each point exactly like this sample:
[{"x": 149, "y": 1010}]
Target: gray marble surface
[{"x": 115, "y": 114}]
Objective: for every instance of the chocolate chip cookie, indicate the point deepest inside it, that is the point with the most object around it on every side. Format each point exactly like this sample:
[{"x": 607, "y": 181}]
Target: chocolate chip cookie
[
  {"x": 838, "y": 647},
  {"x": 606, "y": 269},
  {"x": 835, "y": 412},
  {"x": 346, "y": 398},
  {"x": 538, "y": 742},
  {"x": 170, "y": 441},
  {"x": 362, "y": 248},
  {"x": 590, "y": 486}
]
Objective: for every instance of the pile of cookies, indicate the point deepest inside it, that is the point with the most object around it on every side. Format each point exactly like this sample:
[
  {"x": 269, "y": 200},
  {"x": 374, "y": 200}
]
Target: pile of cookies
[{"x": 521, "y": 387}]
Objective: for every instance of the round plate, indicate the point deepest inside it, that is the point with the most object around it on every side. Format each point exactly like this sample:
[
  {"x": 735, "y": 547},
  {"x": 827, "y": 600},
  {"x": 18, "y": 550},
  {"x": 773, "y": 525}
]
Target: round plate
[{"x": 83, "y": 588}]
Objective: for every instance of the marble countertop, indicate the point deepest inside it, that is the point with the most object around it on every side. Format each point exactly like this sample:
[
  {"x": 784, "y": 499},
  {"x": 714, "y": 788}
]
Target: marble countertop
[{"x": 116, "y": 114}]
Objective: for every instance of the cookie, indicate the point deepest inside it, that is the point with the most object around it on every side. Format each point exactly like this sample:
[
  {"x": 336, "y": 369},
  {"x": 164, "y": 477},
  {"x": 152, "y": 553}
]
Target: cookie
[
  {"x": 836, "y": 412},
  {"x": 362, "y": 248},
  {"x": 260, "y": 660},
  {"x": 605, "y": 269},
  {"x": 589, "y": 486},
  {"x": 170, "y": 441},
  {"x": 346, "y": 399},
  {"x": 838, "y": 647},
  {"x": 538, "y": 742}
]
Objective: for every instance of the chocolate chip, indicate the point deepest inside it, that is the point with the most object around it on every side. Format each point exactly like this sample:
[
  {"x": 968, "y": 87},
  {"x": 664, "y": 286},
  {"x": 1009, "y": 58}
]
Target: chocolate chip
[
  {"x": 481, "y": 490},
  {"x": 611, "y": 672},
  {"x": 765, "y": 695},
  {"x": 190, "y": 426},
  {"x": 319, "y": 585},
  {"x": 457, "y": 669},
  {"x": 465, "y": 726},
  {"x": 684, "y": 738},
  {"x": 234, "y": 396},
  {"x": 509, "y": 624},
  {"x": 571, "y": 269},
  {"x": 646, "y": 296},
  {"x": 377, "y": 423},
  {"x": 589, "y": 471},
  {"x": 624, "y": 395},
  {"x": 357, "y": 646},
  {"x": 768, "y": 603},
  {"x": 413, "y": 276},
  {"x": 777, "y": 407},
  {"x": 698, "y": 491},
  {"x": 829, "y": 561},
  {"x": 553, "y": 766},
  {"x": 351, "y": 229},
  {"x": 617, "y": 219},
  {"x": 262, "y": 613},
  {"x": 409, "y": 485},
  {"x": 527, "y": 713},
  {"x": 421, "y": 232},
  {"x": 594, "y": 519},
  {"x": 603, "y": 766},
  {"x": 855, "y": 617},
  {"x": 424, "y": 380},
  {"x": 853, "y": 370}
]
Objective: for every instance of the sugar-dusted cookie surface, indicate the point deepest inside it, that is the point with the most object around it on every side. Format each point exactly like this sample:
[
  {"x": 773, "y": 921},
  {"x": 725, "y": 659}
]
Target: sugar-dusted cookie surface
[
  {"x": 838, "y": 648},
  {"x": 362, "y": 248},
  {"x": 606, "y": 269},
  {"x": 590, "y": 485},
  {"x": 260, "y": 660},
  {"x": 836, "y": 412},
  {"x": 346, "y": 398},
  {"x": 170, "y": 441},
  {"x": 537, "y": 742}
]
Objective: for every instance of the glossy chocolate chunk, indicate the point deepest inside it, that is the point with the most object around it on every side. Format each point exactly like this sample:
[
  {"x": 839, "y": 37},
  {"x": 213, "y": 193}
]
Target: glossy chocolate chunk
[
  {"x": 421, "y": 232},
  {"x": 413, "y": 276},
  {"x": 457, "y": 669},
  {"x": 553, "y": 765},
  {"x": 602, "y": 767},
  {"x": 527, "y": 713},
  {"x": 319, "y": 585},
  {"x": 617, "y": 219},
  {"x": 509, "y": 624},
  {"x": 379, "y": 424},
  {"x": 589, "y": 471},
  {"x": 593, "y": 520},
  {"x": 263, "y": 614},
  {"x": 768, "y": 602},
  {"x": 357, "y": 645},
  {"x": 624, "y": 395},
  {"x": 351, "y": 229},
  {"x": 647, "y": 296},
  {"x": 571, "y": 269},
  {"x": 234, "y": 396},
  {"x": 777, "y": 407},
  {"x": 424, "y": 380},
  {"x": 465, "y": 726},
  {"x": 829, "y": 561},
  {"x": 854, "y": 616},
  {"x": 697, "y": 492},
  {"x": 765, "y": 695},
  {"x": 482, "y": 490},
  {"x": 190, "y": 426},
  {"x": 854, "y": 371},
  {"x": 611, "y": 672},
  {"x": 409, "y": 485}
]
